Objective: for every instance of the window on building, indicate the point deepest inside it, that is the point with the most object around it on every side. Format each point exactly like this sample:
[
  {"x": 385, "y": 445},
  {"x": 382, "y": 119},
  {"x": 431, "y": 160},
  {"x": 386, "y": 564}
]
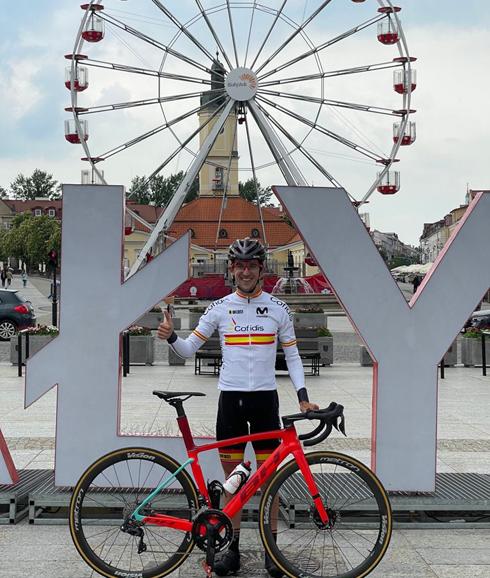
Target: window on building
[
  {"x": 223, "y": 234},
  {"x": 255, "y": 233},
  {"x": 51, "y": 213},
  {"x": 37, "y": 212}
]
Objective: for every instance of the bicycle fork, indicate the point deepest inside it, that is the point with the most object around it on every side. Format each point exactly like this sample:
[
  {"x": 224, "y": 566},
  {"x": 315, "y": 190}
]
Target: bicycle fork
[{"x": 321, "y": 509}]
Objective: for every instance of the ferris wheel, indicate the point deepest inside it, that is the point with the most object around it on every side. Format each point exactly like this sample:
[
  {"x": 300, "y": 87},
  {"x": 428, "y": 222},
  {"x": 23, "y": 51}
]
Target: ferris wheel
[{"x": 307, "y": 93}]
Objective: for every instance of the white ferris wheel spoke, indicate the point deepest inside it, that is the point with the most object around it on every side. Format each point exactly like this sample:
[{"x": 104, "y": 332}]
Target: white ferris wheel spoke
[
  {"x": 135, "y": 103},
  {"x": 255, "y": 180},
  {"x": 145, "y": 38},
  {"x": 145, "y": 71},
  {"x": 360, "y": 149},
  {"x": 286, "y": 164},
  {"x": 213, "y": 32},
  {"x": 249, "y": 33},
  {"x": 152, "y": 132},
  {"x": 321, "y": 47},
  {"x": 183, "y": 29},
  {"x": 232, "y": 30},
  {"x": 269, "y": 32},
  {"x": 333, "y": 73},
  {"x": 330, "y": 102},
  {"x": 299, "y": 147},
  {"x": 294, "y": 34},
  {"x": 176, "y": 201}
]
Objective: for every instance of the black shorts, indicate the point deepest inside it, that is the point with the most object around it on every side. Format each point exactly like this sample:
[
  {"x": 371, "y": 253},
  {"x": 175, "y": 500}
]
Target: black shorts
[{"x": 243, "y": 413}]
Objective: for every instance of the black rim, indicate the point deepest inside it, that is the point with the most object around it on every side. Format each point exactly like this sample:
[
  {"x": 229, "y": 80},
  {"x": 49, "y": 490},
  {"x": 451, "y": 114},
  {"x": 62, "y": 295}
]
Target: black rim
[
  {"x": 358, "y": 506},
  {"x": 105, "y": 495}
]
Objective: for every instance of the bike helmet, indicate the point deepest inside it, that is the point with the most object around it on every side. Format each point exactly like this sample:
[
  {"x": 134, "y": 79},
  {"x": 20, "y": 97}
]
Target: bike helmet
[{"x": 246, "y": 250}]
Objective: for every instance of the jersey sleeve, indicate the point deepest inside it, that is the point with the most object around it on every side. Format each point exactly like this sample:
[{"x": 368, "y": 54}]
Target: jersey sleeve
[
  {"x": 207, "y": 325},
  {"x": 287, "y": 339}
]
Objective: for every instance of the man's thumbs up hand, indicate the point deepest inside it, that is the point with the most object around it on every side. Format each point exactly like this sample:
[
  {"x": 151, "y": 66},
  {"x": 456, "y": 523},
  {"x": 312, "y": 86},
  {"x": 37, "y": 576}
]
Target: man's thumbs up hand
[{"x": 166, "y": 327}]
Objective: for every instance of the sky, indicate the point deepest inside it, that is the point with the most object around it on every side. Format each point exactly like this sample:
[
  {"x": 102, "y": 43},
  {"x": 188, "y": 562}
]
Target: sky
[{"x": 450, "y": 39}]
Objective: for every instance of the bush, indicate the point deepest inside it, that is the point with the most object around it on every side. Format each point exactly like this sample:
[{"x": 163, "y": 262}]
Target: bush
[
  {"x": 42, "y": 330},
  {"x": 323, "y": 332},
  {"x": 472, "y": 333},
  {"x": 138, "y": 330}
]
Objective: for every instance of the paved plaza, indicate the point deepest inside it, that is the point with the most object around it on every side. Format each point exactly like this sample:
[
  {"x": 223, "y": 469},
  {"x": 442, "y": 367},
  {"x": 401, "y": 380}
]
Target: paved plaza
[{"x": 46, "y": 551}]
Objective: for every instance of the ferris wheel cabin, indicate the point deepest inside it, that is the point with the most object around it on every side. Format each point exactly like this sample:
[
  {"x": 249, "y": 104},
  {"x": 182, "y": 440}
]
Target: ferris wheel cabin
[
  {"x": 71, "y": 133},
  {"x": 94, "y": 27},
  {"x": 408, "y": 136},
  {"x": 79, "y": 82},
  {"x": 389, "y": 183},
  {"x": 388, "y": 29}
]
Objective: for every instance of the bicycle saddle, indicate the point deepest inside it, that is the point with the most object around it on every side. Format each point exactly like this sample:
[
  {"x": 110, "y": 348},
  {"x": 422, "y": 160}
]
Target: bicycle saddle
[{"x": 172, "y": 395}]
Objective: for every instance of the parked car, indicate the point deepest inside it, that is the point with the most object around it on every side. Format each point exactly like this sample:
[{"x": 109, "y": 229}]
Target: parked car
[
  {"x": 16, "y": 313},
  {"x": 479, "y": 319}
]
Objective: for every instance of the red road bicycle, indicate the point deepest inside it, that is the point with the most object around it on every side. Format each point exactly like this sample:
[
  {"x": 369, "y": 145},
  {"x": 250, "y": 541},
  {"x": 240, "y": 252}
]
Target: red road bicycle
[{"x": 137, "y": 513}]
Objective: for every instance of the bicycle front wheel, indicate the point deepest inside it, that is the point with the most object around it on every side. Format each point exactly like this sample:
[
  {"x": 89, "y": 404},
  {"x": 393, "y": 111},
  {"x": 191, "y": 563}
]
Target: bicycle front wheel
[
  {"x": 359, "y": 529},
  {"x": 108, "y": 493}
]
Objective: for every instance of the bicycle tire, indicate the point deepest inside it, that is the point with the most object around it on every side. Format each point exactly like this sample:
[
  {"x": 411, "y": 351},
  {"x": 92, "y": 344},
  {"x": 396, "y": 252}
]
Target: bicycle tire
[
  {"x": 112, "y": 487},
  {"x": 357, "y": 504}
]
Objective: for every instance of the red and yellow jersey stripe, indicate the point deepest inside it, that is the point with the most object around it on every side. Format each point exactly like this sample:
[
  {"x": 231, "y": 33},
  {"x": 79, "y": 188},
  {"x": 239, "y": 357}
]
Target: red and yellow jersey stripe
[
  {"x": 200, "y": 335},
  {"x": 289, "y": 343},
  {"x": 250, "y": 338}
]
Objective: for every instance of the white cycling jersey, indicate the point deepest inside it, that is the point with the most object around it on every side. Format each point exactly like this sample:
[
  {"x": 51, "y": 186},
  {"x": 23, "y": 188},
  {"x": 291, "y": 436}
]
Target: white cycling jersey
[{"x": 250, "y": 328}]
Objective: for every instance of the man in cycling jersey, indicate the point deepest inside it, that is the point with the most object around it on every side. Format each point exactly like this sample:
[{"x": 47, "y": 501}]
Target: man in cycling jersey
[{"x": 250, "y": 323}]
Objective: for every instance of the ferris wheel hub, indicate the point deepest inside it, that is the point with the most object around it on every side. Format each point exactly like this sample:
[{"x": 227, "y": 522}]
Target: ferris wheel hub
[{"x": 241, "y": 84}]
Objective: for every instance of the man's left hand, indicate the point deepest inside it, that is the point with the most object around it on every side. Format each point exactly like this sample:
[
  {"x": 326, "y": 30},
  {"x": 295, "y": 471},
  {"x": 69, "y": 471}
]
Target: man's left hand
[{"x": 307, "y": 406}]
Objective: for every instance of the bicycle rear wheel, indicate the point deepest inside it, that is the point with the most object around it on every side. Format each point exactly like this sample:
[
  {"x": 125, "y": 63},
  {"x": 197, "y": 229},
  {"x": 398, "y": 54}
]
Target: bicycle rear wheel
[
  {"x": 109, "y": 491},
  {"x": 354, "y": 541}
]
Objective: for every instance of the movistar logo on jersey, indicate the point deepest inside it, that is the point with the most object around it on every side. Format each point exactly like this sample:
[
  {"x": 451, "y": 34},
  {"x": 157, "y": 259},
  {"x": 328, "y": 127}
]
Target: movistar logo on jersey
[
  {"x": 243, "y": 328},
  {"x": 262, "y": 311}
]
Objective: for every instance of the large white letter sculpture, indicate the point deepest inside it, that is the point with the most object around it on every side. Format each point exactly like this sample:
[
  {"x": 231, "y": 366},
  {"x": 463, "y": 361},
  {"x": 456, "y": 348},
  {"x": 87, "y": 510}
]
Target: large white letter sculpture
[
  {"x": 8, "y": 473},
  {"x": 84, "y": 360},
  {"x": 407, "y": 340}
]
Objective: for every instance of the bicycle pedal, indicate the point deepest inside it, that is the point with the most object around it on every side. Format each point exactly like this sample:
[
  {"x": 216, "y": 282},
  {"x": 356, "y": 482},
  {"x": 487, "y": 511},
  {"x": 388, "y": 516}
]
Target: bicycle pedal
[{"x": 207, "y": 568}]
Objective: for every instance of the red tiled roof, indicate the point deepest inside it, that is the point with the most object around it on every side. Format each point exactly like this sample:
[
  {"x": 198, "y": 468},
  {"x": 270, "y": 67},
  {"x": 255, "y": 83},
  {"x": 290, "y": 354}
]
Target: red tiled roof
[
  {"x": 237, "y": 209},
  {"x": 238, "y": 219},
  {"x": 19, "y": 206}
]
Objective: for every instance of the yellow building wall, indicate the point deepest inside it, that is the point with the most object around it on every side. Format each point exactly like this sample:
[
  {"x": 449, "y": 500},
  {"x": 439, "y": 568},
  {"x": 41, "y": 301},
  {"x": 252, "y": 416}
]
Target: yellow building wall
[{"x": 219, "y": 155}]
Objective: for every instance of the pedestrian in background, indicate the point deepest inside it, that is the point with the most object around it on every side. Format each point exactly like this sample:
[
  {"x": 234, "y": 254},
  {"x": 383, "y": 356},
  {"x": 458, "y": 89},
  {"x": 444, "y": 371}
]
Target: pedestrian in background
[
  {"x": 24, "y": 277},
  {"x": 416, "y": 282},
  {"x": 9, "y": 277},
  {"x": 3, "y": 276}
]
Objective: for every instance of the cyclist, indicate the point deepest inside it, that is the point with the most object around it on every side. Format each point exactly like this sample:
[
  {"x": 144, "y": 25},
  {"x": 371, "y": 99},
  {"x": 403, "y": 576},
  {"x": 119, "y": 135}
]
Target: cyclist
[{"x": 250, "y": 322}]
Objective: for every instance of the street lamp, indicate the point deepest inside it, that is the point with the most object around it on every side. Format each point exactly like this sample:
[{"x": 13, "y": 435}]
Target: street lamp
[{"x": 53, "y": 262}]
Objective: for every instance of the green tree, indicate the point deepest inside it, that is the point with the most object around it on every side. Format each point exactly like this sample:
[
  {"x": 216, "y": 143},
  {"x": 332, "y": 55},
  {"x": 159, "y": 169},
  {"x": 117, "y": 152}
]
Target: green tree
[
  {"x": 3, "y": 193},
  {"x": 3, "y": 246},
  {"x": 159, "y": 190},
  {"x": 249, "y": 189},
  {"x": 39, "y": 185},
  {"x": 31, "y": 238}
]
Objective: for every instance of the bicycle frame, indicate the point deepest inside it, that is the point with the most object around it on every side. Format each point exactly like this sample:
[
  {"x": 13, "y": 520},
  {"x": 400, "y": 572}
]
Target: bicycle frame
[{"x": 290, "y": 445}]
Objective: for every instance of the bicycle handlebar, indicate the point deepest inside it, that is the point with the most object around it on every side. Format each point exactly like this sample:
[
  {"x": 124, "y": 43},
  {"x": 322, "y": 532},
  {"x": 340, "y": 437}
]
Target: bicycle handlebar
[{"x": 330, "y": 417}]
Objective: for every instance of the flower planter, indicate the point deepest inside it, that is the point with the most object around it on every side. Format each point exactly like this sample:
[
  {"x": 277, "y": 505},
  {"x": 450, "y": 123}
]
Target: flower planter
[
  {"x": 141, "y": 349},
  {"x": 364, "y": 357},
  {"x": 471, "y": 351},
  {"x": 173, "y": 358},
  {"x": 152, "y": 320},
  {"x": 451, "y": 357},
  {"x": 36, "y": 342},
  {"x": 325, "y": 347},
  {"x": 304, "y": 320}
]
